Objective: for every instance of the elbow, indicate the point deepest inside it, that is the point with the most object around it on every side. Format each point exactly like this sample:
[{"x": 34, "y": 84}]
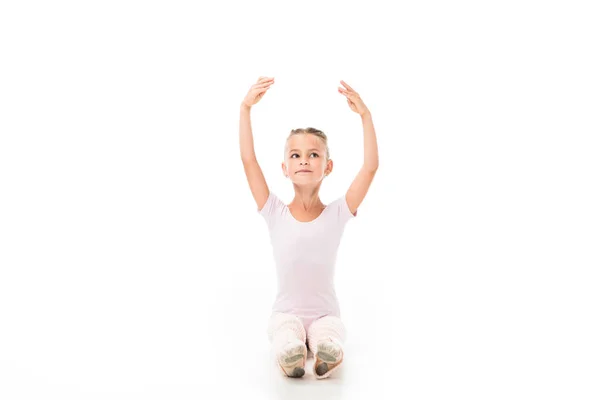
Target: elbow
[
  {"x": 371, "y": 166},
  {"x": 248, "y": 159}
]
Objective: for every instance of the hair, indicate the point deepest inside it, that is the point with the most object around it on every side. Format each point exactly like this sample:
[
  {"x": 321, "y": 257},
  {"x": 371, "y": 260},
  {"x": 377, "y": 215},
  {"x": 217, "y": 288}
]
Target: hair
[{"x": 311, "y": 131}]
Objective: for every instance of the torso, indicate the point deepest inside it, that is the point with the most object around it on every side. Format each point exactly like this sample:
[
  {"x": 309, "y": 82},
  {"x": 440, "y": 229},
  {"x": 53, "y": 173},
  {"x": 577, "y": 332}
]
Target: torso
[{"x": 305, "y": 255}]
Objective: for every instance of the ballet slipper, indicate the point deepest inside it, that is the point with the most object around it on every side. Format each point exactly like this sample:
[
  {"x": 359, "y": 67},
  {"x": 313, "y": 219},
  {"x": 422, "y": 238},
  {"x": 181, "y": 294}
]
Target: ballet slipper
[
  {"x": 328, "y": 358},
  {"x": 292, "y": 359}
]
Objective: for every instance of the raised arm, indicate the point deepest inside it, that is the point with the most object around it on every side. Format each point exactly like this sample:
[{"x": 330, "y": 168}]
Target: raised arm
[
  {"x": 256, "y": 179},
  {"x": 359, "y": 187}
]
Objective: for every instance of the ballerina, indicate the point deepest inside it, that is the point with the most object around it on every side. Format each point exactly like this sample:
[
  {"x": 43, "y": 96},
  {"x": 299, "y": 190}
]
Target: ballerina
[{"x": 305, "y": 237}]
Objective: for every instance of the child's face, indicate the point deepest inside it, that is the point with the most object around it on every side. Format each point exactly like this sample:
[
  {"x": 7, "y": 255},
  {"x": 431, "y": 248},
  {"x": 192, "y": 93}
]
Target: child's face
[{"x": 306, "y": 152}]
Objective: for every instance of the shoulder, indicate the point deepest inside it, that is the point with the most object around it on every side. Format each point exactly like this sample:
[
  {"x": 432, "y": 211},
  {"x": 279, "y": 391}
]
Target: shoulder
[
  {"x": 273, "y": 206},
  {"x": 340, "y": 208}
]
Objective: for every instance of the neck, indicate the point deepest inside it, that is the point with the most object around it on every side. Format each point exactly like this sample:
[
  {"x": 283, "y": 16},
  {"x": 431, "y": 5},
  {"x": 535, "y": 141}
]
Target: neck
[{"x": 307, "y": 198}]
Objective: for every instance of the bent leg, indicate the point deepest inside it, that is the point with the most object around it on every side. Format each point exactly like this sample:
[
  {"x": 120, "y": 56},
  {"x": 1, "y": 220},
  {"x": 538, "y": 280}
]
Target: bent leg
[
  {"x": 326, "y": 336},
  {"x": 288, "y": 343}
]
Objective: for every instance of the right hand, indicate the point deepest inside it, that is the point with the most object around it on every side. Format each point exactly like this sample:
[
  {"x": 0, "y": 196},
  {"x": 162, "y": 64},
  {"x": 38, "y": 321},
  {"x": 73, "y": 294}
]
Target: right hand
[{"x": 257, "y": 91}]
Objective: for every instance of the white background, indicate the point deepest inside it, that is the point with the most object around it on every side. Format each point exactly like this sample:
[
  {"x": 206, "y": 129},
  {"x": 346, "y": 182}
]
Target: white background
[{"x": 134, "y": 264}]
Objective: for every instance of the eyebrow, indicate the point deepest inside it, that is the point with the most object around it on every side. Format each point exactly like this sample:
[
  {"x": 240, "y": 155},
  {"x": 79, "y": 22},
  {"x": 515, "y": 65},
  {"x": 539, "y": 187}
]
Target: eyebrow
[{"x": 299, "y": 150}]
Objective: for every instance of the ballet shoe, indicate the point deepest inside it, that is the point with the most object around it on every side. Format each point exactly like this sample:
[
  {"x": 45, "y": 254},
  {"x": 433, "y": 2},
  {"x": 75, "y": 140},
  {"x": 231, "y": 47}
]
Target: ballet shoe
[
  {"x": 292, "y": 359},
  {"x": 328, "y": 357}
]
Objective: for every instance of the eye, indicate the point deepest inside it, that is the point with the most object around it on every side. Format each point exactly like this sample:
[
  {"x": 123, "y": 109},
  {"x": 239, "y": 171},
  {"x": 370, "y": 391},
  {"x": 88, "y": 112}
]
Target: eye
[{"x": 295, "y": 154}]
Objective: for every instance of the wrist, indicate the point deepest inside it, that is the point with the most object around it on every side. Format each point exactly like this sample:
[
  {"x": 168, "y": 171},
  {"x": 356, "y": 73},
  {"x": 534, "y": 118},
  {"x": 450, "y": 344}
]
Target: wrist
[{"x": 244, "y": 107}]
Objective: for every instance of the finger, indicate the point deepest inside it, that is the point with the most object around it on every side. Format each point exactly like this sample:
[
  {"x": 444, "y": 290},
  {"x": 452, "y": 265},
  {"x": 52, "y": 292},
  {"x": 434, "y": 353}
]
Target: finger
[
  {"x": 261, "y": 90},
  {"x": 264, "y": 84},
  {"x": 264, "y": 79},
  {"x": 347, "y": 94},
  {"x": 258, "y": 90},
  {"x": 347, "y": 86}
]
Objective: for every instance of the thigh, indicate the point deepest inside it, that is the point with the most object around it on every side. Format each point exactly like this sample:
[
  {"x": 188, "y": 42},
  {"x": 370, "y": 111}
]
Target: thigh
[
  {"x": 324, "y": 328},
  {"x": 279, "y": 322}
]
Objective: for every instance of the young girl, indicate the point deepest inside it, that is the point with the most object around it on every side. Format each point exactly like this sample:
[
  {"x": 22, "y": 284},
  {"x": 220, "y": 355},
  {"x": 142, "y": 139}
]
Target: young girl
[{"x": 305, "y": 236}]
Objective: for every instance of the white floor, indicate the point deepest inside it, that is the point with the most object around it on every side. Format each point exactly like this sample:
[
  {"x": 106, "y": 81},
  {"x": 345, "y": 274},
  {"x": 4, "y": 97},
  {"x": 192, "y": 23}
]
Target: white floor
[
  {"x": 259, "y": 377},
  {"x": 421, "y": 341}
]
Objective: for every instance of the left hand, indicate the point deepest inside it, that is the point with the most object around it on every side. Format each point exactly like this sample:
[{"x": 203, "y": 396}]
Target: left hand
[{"x": 354, "y": 101}]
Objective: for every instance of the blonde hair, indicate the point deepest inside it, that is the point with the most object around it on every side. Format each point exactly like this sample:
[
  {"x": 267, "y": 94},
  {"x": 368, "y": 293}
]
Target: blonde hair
[{"x": 310, "y": 131}]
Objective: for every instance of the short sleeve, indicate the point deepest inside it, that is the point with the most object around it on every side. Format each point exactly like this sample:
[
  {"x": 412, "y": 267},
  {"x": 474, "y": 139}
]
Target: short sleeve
[
  {"x": 343, "y": 211},
  {"x": 273, "y": 209}
]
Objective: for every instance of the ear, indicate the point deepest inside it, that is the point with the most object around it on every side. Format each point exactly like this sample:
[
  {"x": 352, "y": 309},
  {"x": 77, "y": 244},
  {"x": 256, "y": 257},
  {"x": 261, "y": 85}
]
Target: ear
[
  {"x": 329, "y": 167},
  {"x": 284, "y": 169}
]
